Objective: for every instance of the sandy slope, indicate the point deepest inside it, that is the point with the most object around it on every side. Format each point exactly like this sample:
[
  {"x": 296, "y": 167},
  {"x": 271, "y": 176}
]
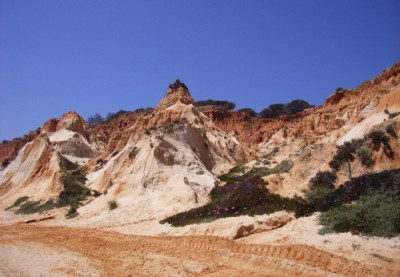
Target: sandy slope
[{"x": 114, "y": 254}]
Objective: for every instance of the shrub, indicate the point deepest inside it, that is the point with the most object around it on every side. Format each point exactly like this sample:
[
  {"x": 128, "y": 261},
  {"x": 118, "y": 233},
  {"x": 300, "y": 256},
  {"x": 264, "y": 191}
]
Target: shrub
[
  {"x": 79, "y": 175},
  {"x": 72, "y": 209},
  {"x": 178, "y": 84},
  {"x": 220, "y": 104},
  {"x": 73, "y": 190},
  {"x": 293, "y": 107},
  {"x": 324, "y": 179},
  {"x": 321, "y": 199},
  {"x": 5, "y": 163},
  {"x": 17, "y": 202},
  {"x": 365, "y": 156},
  {"x": 231, "y": 176},
  {"x": 391, "y": 130},
  {"x": 111, "y": 116},
  {"x": 109, "y": 185},
  {"x": 96, "y": 193},
  {"x": 284, "y": 166},
  {"x": 66, "y": 164},
  {"x": 272, "y": 153},
  {"x": 95, "y": 119},
  {"x": 30, "y": 207},
  {"x": 381, "y": 257},
  {"x": 345, "y": 153},
  {"x": 375, "y": 215},
  {"x": 273, "y": 111},
  {"x": 377, "y": 137},
  {"x": 133, "y": 153},
  {"x": 296, "y": 106},
  {"x": 249, "y": 111},
  {"x": 73, "y": 180},
  {"x": 112, "y": 205}
]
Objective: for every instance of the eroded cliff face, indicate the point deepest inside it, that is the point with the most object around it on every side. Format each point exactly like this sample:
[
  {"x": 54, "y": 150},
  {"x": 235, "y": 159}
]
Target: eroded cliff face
[
  {"x": 326, "y": 123},
  {"x": 9, "y": 149},
  {"x": 171, "y": 155},
  {"x": 168, "y": 156}
]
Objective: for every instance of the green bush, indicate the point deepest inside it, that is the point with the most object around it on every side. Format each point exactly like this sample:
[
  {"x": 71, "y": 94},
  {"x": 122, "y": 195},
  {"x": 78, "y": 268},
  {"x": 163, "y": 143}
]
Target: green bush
[
  {"x": 73, "y": 190},
  {"x": 72, "y": 209},
  {"x": 95, "y": 119},
  {"x": 393, "y": 115},
  {"x": 375, "y": 215},
  {"x": 133, "y": 153},
  {"x": 249, "y": 111},
  {"x": 345, "y": 153},
  {"x": 273, "y": 111},
  {"x": 325, "y": 179},
  {"x": 17, "y": 202},
  {"x": 322, "y": 199},
  {"x": 220, "y": 104},
  {"x": 231, "y": 176},
  {"x": 284, "y": 166},
  {"x": 5, "y": 163},
  {"x": 377, "y": 137},
  {"x": 112, "y": 205},
  {"x": 365, "y": 156},
  {"x": 66, "y": 164},
  {"x": 391, "y": 130},
  {"x": 111, "y": 116},
  {"x": 178, "y": 84},
  {"x": 96, "y": 193},
  {"x": 30, "y": 207}
]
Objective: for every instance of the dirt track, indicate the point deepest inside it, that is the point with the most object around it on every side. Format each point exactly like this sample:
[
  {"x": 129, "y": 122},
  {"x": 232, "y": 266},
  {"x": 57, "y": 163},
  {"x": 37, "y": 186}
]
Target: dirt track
[{"x": 114, "y": 254}]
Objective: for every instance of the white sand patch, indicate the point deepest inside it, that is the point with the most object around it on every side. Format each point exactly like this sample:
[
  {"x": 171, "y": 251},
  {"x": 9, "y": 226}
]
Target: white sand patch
[
  {"x": 224, "y": 227},
  {"x": 61, "y": 135},
  {"x": 362, "y": 128}
]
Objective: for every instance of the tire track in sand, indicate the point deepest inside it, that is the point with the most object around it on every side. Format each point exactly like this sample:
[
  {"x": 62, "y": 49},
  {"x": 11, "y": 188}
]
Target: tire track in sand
[{"x": 116, "y": 254}]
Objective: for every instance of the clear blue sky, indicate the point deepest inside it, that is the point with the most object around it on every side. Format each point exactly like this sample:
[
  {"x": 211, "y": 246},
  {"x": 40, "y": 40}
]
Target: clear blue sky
[{"x": 102, "y": 56}]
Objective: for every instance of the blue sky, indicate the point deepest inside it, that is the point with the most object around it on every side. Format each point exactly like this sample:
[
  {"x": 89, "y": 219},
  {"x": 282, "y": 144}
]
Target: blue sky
[{"x": 103, "y": 56}]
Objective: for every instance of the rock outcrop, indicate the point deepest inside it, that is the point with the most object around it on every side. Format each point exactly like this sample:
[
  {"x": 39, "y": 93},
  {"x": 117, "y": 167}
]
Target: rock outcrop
[{"x": 170, "y": 156}]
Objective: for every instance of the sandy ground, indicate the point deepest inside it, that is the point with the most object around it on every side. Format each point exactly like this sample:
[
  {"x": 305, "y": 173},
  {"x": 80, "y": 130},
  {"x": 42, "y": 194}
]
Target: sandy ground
[
  {"x": 293, "y": 250},
  {"x": 37, "y": 259},
  {"x": 60, "y": 250}
]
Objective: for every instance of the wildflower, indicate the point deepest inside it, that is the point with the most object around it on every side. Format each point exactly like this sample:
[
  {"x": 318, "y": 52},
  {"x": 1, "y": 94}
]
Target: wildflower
[{"x": 233, "y": 208}]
